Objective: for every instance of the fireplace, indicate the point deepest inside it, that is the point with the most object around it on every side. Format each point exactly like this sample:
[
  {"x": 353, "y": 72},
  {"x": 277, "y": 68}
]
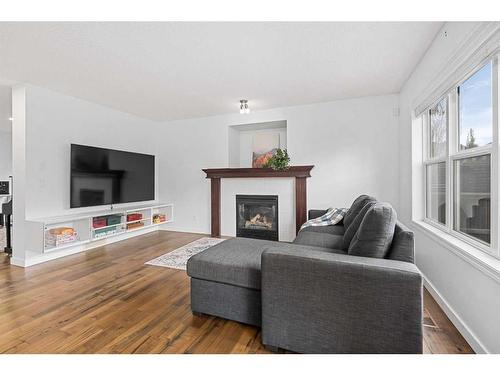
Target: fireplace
[{"x": 257, "y": 216}]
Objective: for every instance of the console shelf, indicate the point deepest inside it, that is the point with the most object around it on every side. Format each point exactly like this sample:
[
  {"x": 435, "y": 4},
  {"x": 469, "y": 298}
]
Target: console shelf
[
  {"x": 136, "y": 221},
  {"x": 86, "y": 233},
  {"x": 107, "y": 226}
]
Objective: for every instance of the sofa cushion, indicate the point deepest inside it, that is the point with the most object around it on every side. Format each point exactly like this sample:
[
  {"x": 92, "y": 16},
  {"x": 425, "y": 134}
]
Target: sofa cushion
[
  {"x": 236, "y": 261},
  {"x": 333, "y": 241},
  {"x": 301, "y": 248},
  {"x": 403, "y": 245},
  {"x": 354, "y": 226},
  {"x": 330, "y": 229},
  {"x": 356, "y": 206},
  {"x": 374, "y": 236}
]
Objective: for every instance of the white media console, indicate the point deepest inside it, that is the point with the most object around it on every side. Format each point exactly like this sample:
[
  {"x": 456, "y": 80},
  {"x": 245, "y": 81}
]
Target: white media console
[{"x": 88, "y": 234}]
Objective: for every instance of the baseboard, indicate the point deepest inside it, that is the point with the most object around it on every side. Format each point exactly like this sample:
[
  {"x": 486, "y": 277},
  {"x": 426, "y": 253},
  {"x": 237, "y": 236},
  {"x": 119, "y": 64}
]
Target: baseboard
[
  {"x": 17, "y": 262},
  {"x": 464, "y": 330},
  {"x": 182, "y": 230}
]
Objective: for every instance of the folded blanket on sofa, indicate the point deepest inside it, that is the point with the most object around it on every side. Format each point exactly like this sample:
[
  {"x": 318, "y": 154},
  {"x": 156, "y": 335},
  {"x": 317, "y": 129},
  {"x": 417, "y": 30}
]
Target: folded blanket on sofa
[{"x": 333, "y": 216}]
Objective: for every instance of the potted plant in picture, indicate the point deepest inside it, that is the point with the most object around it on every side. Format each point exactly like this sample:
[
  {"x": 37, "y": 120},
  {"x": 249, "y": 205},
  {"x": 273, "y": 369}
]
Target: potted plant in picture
[{"x": 279, "y": 161}]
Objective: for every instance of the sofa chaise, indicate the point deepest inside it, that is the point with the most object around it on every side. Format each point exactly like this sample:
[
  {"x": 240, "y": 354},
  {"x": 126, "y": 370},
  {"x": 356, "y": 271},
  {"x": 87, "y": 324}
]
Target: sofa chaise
[{"x": 346, "y": 288}]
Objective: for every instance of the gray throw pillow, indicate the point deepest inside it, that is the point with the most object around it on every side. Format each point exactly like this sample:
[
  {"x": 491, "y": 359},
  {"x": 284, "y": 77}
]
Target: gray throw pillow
[
  {"x": 356, "y": 206},
  {"x": 403, "y": 245},
  {"x": 374, "y": 235},
  {"x": 354, "y": 226}
]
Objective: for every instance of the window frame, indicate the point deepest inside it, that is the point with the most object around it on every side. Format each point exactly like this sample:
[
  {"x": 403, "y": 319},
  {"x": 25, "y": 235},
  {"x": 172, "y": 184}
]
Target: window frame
[
  {"x": 428, "y": 160},
  {"x": 454, "y": 154},
  {"x": 429, "y": 220}
]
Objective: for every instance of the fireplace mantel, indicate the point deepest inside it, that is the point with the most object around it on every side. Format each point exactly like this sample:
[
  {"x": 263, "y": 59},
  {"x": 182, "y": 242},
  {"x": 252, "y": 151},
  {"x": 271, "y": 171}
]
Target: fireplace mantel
[
  {"x": 296, "y": 171},
  {"x": 300, "y": 173}
]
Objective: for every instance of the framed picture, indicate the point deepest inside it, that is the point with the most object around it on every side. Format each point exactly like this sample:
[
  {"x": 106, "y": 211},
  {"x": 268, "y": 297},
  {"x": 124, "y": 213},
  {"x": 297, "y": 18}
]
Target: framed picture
[{"x": 264, "y": 147}]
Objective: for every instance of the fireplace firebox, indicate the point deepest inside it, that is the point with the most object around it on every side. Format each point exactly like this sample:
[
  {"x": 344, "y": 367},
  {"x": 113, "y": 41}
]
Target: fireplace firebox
[{"x": 257, "y": 216}]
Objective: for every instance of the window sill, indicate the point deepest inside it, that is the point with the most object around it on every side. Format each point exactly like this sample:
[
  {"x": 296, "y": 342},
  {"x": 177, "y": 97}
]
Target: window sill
[{"x": 486, "y": 263}]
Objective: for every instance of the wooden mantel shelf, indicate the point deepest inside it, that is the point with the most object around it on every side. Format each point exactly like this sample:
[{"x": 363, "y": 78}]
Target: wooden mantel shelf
[
  {"x": 300, "y": 173},
  {"x": 296, "y": 171}
]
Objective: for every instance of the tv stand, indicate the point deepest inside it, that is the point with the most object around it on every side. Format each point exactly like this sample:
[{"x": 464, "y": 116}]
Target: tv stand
[{"x": 93, "y": 229}]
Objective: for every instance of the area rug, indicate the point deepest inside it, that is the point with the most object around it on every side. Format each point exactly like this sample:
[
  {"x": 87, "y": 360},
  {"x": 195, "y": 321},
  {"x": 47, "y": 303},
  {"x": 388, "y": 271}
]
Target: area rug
[{"x": 178, "y": 258}]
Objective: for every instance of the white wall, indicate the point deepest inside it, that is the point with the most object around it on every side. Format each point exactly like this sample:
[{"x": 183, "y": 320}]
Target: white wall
[
  {"x": 5, "y": 132},
  {"x": 352, "y": 143},
  {"x": 54, "y": 121},
  {"x": 469, "y": 295}
]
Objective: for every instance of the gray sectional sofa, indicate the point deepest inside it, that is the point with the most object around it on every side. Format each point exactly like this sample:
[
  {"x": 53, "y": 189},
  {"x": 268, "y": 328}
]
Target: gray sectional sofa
[{"x": 346, "y": 288}]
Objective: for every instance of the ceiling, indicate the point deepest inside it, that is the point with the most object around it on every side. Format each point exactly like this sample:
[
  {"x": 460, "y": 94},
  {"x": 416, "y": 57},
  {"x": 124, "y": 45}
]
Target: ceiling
[{"x": 167, "y": 71}]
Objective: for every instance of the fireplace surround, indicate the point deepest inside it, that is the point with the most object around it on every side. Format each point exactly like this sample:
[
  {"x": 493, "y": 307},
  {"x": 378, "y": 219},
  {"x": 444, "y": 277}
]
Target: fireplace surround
[
  {"x": 299, "y": 173},
  {"x": 257, "y": 216}
]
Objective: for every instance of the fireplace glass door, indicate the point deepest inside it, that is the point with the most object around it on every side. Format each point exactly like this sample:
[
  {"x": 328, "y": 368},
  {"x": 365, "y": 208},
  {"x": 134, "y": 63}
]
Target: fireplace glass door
[{"x": 257, "y": 216}]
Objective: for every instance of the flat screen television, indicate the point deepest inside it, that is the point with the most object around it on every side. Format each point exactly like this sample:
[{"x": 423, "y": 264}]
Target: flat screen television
[{"x": 101, "y": 176}]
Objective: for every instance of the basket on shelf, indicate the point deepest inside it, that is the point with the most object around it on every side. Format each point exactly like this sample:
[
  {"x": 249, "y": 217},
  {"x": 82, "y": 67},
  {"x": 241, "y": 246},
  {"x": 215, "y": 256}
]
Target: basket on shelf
[
  {"x": 138, "y": 224},
  {"x": 134, "y": 217},
  {"x": 99, "y": 222},
  {"x": 159, "y": 218},
  {"x": 114, "y": 219},
  {"x": 56, "y": 237},
  {"x": 104, "y": 232}
]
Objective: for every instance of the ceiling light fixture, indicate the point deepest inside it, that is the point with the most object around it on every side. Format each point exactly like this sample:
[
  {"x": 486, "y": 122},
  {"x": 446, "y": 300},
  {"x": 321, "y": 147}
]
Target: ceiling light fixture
[
  {"x": 11, "y": 118},
  {"x": 244, "y": 108}
]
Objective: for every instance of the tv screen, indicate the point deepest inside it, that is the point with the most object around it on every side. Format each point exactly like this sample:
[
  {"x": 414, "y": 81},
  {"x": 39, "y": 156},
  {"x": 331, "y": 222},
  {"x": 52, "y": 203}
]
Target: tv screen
[{"x": 100, "y": 176}]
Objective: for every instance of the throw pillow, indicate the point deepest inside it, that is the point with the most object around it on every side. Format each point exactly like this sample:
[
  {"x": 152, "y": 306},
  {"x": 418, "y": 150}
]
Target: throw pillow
[
  {"x": 374, "y": 236},
  {"x": 351, "y": 230},
  {"x": 402, "y": 246},
  {"x": 356, "y": 206}
]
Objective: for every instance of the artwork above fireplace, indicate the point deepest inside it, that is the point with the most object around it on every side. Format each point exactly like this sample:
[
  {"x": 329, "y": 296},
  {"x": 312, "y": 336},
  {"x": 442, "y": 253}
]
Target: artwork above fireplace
[{"x": 257, "y": 216}]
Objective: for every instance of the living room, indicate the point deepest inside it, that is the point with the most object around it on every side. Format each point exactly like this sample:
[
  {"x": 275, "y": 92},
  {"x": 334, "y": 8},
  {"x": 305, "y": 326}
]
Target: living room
[{"x": 317, "y": 188}]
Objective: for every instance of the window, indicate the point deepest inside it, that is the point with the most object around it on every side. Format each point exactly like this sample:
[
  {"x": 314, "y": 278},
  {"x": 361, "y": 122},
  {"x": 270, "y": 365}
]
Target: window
[
  {"x": 436, "y": 192},
  {"x": 436, "y": 167},
  {"x": 459, "y": 164},
  {"x": 475, "y": 110},
  {"x": 473, "y": 197},
  {"x": 438, "y": 128}
]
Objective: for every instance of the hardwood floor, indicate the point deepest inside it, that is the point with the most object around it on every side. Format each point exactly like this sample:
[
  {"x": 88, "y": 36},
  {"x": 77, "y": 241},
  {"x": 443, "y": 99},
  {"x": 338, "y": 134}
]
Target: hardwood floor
[{"x": 107, "y": 301}]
